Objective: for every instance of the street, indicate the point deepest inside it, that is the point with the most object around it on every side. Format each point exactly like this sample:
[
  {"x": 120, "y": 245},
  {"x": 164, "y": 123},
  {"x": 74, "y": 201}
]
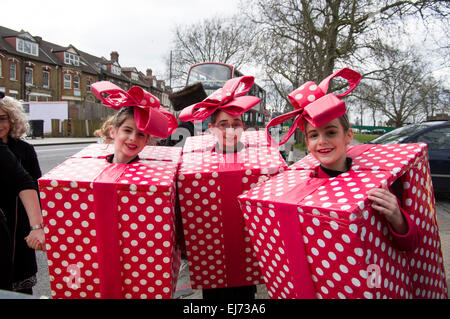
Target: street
[{"x": 51, "y": 156}]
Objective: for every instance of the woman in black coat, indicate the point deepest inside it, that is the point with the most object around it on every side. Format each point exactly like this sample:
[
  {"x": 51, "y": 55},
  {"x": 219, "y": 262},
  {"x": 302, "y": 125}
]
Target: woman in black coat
[
  {"x": 15, "y": 182},
  {"x": 13, "y": 125}
]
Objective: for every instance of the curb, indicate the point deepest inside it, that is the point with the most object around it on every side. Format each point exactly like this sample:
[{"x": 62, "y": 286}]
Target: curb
[{"x": 60, "y": 142}]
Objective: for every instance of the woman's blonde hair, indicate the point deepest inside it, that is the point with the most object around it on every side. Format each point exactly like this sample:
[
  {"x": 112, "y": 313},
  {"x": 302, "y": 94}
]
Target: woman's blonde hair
[
  {"x": 17, "y": 119},
  {"x": 115, "y": 121}
]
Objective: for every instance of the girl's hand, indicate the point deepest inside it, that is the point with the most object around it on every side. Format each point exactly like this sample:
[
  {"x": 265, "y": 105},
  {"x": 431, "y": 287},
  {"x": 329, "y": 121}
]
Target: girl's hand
[
  {"x": 386, "y": 204},
  {"x": 36, "y": 239}
]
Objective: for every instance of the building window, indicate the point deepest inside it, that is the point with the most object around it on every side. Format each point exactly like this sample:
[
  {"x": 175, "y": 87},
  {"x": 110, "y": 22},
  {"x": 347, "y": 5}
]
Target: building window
[
  {"x": 88, "y": 85},
  {"x": 70, "y": 58},
  {"x": 46, "y": 79},
  {"x": 115, "y": 69},
  {"x": 12, "y": 70},
  {"x": 27, "y": 47},
  {"x": 28, "y": 76},
  {"x": 67, "y": 81},
  {"x": 76, "y": 82}
]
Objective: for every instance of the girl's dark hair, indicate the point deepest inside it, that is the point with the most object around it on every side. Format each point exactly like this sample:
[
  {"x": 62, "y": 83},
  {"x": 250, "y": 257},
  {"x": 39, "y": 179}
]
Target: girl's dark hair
[
  {"x": 115, "y": 121},
  {"x": 213, "y": 117},
  {"x": 345, "y": 122},
  {"x": 342, "y": 119}
]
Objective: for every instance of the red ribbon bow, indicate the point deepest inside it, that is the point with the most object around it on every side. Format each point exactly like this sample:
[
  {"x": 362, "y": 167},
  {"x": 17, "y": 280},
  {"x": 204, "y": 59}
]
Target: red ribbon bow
[
  {"x": 149, "y": 115},
  {"x": 313, "y": 104},
  {"x": 229, "y": 99}
]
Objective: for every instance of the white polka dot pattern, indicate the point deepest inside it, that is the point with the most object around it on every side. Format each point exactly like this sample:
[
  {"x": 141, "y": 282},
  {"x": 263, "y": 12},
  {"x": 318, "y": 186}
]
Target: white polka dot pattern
[
  {"x": 148, "y": 255},
  {"x": 199, "y": 143},
  {"x": 347, "y": 243},
  {"x": 200, "y": 196},
  {"x": 155, "y": 153}
]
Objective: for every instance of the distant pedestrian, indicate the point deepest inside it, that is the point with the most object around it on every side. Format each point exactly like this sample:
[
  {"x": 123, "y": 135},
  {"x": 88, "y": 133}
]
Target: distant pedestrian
[{"x": 13, "y": 126}]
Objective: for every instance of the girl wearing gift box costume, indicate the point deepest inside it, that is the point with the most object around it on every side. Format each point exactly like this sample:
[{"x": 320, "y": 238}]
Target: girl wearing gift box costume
[
  {"x": 215, "y": 169},
  {"x": 340, "y": 232},
  {"x": 110, "y": 217}
]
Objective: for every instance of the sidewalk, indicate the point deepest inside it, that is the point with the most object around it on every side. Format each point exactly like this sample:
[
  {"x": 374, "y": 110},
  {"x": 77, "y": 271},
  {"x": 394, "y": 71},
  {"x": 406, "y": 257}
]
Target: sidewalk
[{"x": 60, "y": 140}]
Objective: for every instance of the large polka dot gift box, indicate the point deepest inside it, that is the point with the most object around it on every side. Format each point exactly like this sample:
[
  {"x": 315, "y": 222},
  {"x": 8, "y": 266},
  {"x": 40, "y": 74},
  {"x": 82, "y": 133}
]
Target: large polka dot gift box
[
  {"x": 320, "y": 238},
  {"x": 218, "y": 244},
  {"x": 155, "y": 153},
  {"x": 110, "y": 228}
]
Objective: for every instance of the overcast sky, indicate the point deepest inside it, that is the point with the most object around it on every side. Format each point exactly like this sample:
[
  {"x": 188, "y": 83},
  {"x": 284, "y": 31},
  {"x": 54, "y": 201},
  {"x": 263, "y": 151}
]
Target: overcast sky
[{"x": 140, "y": 30}]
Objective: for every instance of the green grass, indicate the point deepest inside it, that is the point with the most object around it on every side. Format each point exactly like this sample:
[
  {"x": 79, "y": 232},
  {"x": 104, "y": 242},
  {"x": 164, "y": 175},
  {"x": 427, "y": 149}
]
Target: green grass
[
  {"x": 364, "y": 138},
  {"x": 300, "y": 146}
]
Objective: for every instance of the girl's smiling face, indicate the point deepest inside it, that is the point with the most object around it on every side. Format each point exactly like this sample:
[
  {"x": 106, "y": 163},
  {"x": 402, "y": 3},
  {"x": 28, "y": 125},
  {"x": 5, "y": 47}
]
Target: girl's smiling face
[
  {"x": 128, "y": 141},
  {"x": 228, "y": 130},
  {"x": 328, "y": 143}
]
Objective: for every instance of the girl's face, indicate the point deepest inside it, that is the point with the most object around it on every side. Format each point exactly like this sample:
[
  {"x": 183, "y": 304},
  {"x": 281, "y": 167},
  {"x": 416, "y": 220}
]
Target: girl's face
[
  {"x": 228, "y": 130},
  {"x": 328, "y": 144},
  {"x": 5, "y": 126},
  {"x": 128, "y": 141}
]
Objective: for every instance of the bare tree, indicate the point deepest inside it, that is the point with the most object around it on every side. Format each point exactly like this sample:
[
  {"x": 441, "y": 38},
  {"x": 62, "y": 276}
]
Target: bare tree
[
  {"x": 302, "y": 40},
  {"x": 217, "y": 39},
  {"x": 402, "y": 88}
]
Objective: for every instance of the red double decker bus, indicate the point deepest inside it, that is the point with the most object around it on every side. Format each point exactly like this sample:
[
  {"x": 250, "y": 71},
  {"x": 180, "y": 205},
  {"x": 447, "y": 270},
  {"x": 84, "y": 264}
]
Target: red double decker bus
[{"x": 213, "y": 76}]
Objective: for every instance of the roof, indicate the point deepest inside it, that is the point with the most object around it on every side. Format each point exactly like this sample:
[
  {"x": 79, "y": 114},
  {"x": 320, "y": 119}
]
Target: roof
[
  {"x": 43, "y": 56},
  {"x": 48, "y": 54}
]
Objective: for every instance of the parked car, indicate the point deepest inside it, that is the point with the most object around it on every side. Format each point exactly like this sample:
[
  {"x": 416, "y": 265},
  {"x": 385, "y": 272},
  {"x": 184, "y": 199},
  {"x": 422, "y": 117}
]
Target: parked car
[
  {"x": 437, "y": 136},
  {"x": 378, "y": 131},
  {"x": 365, "y": 132}
]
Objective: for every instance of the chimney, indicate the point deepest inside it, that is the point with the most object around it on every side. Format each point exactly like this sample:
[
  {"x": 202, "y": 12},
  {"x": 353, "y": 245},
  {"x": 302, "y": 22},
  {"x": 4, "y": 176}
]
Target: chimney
[
  {"x": 115, "y": 56},
  {"x": 149, "y": 72}
]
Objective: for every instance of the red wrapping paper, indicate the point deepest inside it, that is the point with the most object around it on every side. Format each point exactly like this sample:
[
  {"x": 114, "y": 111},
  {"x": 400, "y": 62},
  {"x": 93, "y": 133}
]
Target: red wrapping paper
[
  {"x": 110, "y": 228},
  {"x": 348, "y": 248},
  {"x": 218, "y": 244}
]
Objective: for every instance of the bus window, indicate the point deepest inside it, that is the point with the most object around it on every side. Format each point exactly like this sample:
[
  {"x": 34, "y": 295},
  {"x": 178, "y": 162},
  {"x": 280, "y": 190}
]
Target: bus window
[{"x": 212, "y": 76}]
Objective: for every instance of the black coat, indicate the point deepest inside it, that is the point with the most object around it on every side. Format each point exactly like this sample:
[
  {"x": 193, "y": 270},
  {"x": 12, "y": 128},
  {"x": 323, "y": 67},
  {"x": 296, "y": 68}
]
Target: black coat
[
  {"x": 13, "y": 179},
  {"x": 24, "y": 257}
]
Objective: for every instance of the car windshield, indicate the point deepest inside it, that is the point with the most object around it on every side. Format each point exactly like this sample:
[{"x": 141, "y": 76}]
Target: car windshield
[{"x": 397, "y": 135}]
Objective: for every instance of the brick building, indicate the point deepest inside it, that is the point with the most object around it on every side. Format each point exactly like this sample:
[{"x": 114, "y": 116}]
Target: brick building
[{"x": 32, "y": 69}]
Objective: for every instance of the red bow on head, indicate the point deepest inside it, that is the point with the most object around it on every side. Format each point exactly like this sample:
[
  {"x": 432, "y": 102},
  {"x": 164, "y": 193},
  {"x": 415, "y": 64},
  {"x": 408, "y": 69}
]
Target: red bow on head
[
  {"x": 313, "y": 104},
  {"x": 229, "y": 99},
  {"x": 149, "y": 115}
]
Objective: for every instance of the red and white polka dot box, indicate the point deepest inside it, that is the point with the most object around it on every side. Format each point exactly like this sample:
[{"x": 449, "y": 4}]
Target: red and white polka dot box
[
  {"x": 110, "y": 228},
  {"x": 320, "y": 238},
  {"x": 218, "y": 244},
  {"x": 155, "y": 153}
]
